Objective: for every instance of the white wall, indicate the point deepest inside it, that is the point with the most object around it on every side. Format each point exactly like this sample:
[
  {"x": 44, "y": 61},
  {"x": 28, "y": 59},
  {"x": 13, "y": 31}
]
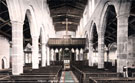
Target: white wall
[{"x": 4, "y": 51}]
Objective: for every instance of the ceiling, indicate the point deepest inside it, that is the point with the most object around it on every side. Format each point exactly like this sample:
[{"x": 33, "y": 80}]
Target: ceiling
[
  {"x": 73, "y": 10},
  {"x": 59, "y": 10},
  {"x": 70, "y": 9},
  {"x": 5, "y": 24}
]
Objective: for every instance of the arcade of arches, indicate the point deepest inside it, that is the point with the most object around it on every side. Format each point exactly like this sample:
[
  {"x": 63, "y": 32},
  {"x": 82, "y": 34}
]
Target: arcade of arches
[{"x": 95, "y": 34}]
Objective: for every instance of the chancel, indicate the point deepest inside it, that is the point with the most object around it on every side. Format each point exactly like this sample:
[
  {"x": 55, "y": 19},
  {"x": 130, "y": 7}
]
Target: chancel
[{"x": 67, "y": 41}]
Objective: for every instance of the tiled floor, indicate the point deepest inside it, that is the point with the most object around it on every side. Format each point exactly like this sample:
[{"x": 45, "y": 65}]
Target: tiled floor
[{"x": 68, "y": 77}]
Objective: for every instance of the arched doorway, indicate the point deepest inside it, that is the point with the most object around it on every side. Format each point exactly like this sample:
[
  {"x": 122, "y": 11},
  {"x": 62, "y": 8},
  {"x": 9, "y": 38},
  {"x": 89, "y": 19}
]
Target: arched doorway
[{"x": 4, "y": 63}]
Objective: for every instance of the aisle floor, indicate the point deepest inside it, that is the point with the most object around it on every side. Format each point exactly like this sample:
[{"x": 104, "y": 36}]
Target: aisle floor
[{"x": 68, "y": 77}]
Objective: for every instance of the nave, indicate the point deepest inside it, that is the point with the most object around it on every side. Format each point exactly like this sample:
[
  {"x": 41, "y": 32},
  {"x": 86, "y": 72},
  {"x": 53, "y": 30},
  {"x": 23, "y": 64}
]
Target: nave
[
  {"x": 85, "y": 41},
  {"x": 79, "y": 72}
]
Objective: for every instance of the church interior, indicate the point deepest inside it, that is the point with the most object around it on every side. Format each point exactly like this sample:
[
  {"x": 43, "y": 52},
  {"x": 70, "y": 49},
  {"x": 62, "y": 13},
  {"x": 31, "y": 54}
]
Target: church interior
[{"x": 67, "y": 41}]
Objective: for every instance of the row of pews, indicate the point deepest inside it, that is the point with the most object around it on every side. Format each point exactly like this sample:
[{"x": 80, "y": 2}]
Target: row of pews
[
  {"x": 49, "y": 74},
  {"x": 86, "y": 74}
]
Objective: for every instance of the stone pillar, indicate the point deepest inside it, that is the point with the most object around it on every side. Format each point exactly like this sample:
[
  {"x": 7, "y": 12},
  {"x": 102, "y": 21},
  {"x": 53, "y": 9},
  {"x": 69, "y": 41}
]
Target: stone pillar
[
  {"x": 73, "y": 51},
  {"x": 81, "y": 54},
  {"x": 26, "y": 56},
  {"x": 52, "y": 54},
  {"x": 122, "y": 42},
  {"x": 59, "y": 51},
  {"x": 77, "y": 54},
  {"x": 30, "y": 57},
  {"x": 43, "y": 54},
  {"x": 90, "y": 53},
  {"x": 35, "y": 53},
  {"x": 101, "y": 51},
  {"x": 17, "y": 48},
  {"x": 48, "y": 56}
]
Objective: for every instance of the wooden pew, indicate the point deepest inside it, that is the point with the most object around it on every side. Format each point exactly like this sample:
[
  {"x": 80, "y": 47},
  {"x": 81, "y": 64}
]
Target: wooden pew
[
  {"x": 78, "y": 73},
  {"x": 111, "y": 80},
  {"x": 87, "y": 75},
  {"x": 84, "y": 72},
  {"x": 45, "y": 75}
]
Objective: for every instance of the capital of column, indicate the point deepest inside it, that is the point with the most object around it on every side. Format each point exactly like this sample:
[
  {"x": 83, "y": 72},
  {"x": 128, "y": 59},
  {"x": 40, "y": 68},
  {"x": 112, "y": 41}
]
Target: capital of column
[
  {"x": 123, "y": 16},
  {"x": 17, "y": 22},
  {"x": 52, "y": 49},
  {"x": 81, "y": 50},
  {"x": 77, "y": 49}
]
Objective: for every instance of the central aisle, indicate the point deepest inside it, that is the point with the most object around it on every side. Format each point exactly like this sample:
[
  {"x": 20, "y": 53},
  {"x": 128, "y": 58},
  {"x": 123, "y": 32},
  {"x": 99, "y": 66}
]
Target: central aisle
[{"x": 68, "y": 77}]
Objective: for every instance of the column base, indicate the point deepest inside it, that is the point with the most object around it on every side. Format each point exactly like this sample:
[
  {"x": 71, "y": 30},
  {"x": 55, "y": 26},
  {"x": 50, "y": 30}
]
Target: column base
[
  {"x": 120, "y": 64},
  {"x": 17, "y": 72},
  {"x": 17, "y": 68},
  {"x": 48, "y": 64}
]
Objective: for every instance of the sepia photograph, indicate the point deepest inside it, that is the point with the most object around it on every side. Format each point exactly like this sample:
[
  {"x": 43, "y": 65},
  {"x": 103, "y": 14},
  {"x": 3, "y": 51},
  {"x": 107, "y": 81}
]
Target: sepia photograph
[{"x": 67, "y": 41}]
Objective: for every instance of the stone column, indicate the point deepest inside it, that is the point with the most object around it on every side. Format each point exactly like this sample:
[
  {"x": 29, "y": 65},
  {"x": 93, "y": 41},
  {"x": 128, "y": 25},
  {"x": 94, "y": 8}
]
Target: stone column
[
  {"x": 35, "y": 53},
  {"x": 81, "y": 54},
  {"x": 52, "y": 54},
  {"x": 48, "y": 56},
  {"x": 101, "y": 50},
  {"x": 122, "y": 42},
  {"x": 77, "y": 54},
  {"x": 43, "y": 55},
  {"x": 73, "y": 51},
  {"x": 30, "y": 57},
  {"x": 90, "y": 53},
  {"x": 26, "y": 58},
  {"x": 17, "y": 48}
]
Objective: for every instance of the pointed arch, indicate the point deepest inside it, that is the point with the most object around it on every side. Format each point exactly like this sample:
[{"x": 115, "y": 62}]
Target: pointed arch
[
  {"x": 32, "y": 21},
  {"x": 103, "y": 17},
  {"x": 93, "y": 24},
  {"x": 93, "y": 36}
]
